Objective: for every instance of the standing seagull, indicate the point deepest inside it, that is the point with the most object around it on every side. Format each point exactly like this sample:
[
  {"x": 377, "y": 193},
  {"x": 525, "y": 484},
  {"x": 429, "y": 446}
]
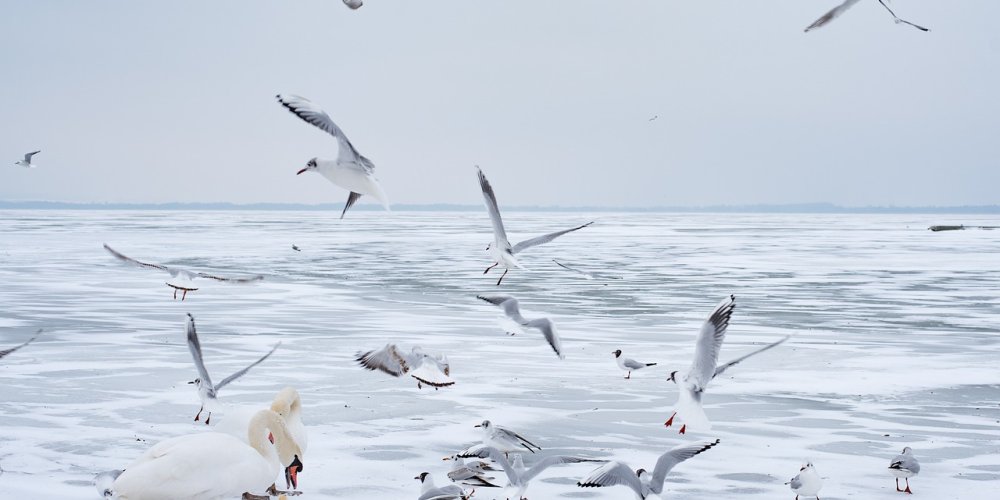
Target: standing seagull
[
  {"x": 353, "y": 4},
  {"x": 904, "y": 466},
  {"x": 504, "y": 439},
  {"x": 704, "y": 367},
  {"x": 629, "y": 364},
  {"x": 5, "y": 352},
  {"x": 807, "y": 482},
  {"x": 208, "y": 392},
  {"x": 180, "y": 279},
  {"x": 350, "y": 170},
  {"x": 517, "y": 475},
  {"x": 501, "y": 250},
  {"x": 618, "y": 473},
  {"x": 431, "y": 370},
  {"x": 840, "y": 9},
  {"x": 510, "y": 308},
  {"x": 26, "y": 162}
]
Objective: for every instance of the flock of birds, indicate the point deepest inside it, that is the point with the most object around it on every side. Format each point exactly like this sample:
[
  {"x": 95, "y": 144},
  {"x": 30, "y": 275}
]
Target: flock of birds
[{"x": 246, "y": 459}]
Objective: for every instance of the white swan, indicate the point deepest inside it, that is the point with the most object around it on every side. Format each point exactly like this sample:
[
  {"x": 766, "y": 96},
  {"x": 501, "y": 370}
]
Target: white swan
[
  {"x": 288, "y": 404},
  {"x": 209, "y": 465}
]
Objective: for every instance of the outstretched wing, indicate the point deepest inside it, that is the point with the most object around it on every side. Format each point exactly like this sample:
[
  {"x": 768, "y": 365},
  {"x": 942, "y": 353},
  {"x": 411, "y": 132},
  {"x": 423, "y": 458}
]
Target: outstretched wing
[
  {"x": 482, "y": 451},
  {"x": 27, "y": 156},
  {"x": 248, "y": 279},
  {"x": 499, "y": 234},
  {"x": 673, "y": 457},
  {"x": 899, "y": 20},
  {"x": 509, "y": 304},
  {"x": 311, "y": 113},
  {"x": 551, "y": 335},
  {"x": 510, "y": 435},
  {"x": 242, "y": 372},
  {"x": 432, "y": 372},
  {"x": 194, "y": 345},
  {"x": 833, "y": 14},
  {"x": 549, "y": 461},
  {"x": 124, "y": 258},
  {"x": 706, "y": 351},
  {"x": 12, "y": 349},
  {"x": 538, "y": 240},
  {"x": 611, "y": 474},
  {"x": 719, "y": 370},
  {"x": 386, "y": 360}
]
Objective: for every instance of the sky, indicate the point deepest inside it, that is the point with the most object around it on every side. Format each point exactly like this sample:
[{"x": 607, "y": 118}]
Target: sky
[{"x": 173, "y": 101}]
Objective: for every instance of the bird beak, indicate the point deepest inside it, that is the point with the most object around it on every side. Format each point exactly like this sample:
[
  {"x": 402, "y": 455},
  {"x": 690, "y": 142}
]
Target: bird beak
[
  {"x": 292, "y": 472},
  {"x": 446, "y": 458},
  {"x": 191, "y": 382},
  {"x": 478, "y": 425},
  {"x": 300, "y": 171}
]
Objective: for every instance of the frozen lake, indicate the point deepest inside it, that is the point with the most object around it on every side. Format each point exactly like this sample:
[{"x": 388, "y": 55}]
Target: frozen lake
[{"x": 896, "y": 343}]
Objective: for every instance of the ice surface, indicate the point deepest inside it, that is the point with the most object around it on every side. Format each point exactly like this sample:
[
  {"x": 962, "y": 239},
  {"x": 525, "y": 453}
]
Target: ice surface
[{"x": 895, "y": 344}]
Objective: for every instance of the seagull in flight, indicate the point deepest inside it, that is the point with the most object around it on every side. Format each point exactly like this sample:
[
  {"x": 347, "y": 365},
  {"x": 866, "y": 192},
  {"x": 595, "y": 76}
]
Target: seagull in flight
[
  {"x": 180, "y": 279},
  {"x": 207, "y": 391},
  {"x": 517, "y": 475},
  {"x": 705, "y": 367},
  {"x": 350, "y": 170},
  {"x": 26, "y": 162},
  {"x": 840, "y": 9},
  {"x": 589, "y": 276},
  {"x": 296, "y": 248},
  {"x": 511, "y": 308},
  {"x": 353, "y": 4},
  {"x": 501, "y": 250},
  {"x": 618, "y": 473},
  {"x": 431, "y": 370},
  {"x": 5, "y": 352}
]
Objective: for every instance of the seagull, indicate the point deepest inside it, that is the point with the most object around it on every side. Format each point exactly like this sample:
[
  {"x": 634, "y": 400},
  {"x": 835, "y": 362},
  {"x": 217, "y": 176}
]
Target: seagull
[
  {"x": 618, "y": 473},
  {"x": 905, "y": 466},
  {"x": 654, "y": 117},
  {"x": 353, "y": 4},
  {"x": 501, "y": 250},
  {"x": 517, "y": 475},
  {"x": 208, "y": 392},
  {"x": 296, "y": 248},
  {"x": 350, "y": 170},
  {"x": 430, "y": 492},
  {"x": 629, "y": 364},
  {"x": 431, "y": 370},
  {"x": 705, "y": 367},
  {"x": 510, "y": 308},
  {"x": 5, "y": 352},
  {"x": 807, "y": 482},
  {"x": 180, "y": 279},
  {"x": 840, "y": 9},
  {"x": 26, "y": 162},
  {"x": 472, "y": 473},
  {"x": 504, "y": 439}
]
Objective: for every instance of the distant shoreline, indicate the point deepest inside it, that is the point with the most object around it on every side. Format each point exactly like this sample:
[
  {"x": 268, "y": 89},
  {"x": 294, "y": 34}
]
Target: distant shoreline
[{"x": 816, "y": 208}]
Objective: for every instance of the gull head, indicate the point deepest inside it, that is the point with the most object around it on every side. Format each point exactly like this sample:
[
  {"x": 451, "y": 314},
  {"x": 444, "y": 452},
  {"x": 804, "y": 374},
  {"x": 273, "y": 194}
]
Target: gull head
[
  {"x": 907, "y": 451},
  {"x": 423, "y": 476},
  {"x": 489, "y": 246},
  {"x": 309, "y": 166},
  {"x": 196, "y": 382},
  {"x": 806, "y": 465},
  {"x": 485, "y": 425},
  {"x": 617, "y": 352},
  {"x": 673, "y": 376}
]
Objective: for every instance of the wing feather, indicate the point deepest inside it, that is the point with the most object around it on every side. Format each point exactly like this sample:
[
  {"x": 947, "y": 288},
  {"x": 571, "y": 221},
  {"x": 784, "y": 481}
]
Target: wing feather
[
  {"x": 124, "y": 258},
  {"x": 314, "y": 115},
  {"x": 832, "y": 14},
  {"x": 386, "y": 360},
  {"x": 671, "y": 458},
  {"x": 538, "y": 240},
  {"x": 709, "y": 343},
  {"x": 611, "y": 474},
  {"x": 12, "y": 349},
  {"x": 719, "y": 370},
  {"x": 242, "y": 372}
]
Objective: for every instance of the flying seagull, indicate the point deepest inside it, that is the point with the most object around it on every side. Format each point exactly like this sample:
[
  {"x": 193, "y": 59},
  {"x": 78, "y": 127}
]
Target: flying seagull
[
  {"x": 353, "y": 4},
  {"x": 628, "y": 364},
  {"x": 618, "y": 473},
  {"x": 517, "y": 475},
  {"x": 431, "y": 370},
  {"x": 180, "y": 279},
  {"x": 5, "y": 352},
  {"x": 589, "y": 276},
  {"x": 840, "y": 9},
  {"x": 511, "y": 309},
  {"x": 296, "y": 248},
  {"x": 350, "y": 170},
  {"x": 26, "y": 162},
  {"x": 207, "y": 391},
  {"x": 704, "y": 367},
  {"x": 905, "y": 466},
  {"x": 501, "y": 250}
]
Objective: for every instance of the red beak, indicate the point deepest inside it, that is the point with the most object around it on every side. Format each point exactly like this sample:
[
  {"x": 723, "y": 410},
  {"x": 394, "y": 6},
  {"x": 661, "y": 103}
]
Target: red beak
[
  {"x": 300, "y": 171},
  {"x": 270, "y": 437}
]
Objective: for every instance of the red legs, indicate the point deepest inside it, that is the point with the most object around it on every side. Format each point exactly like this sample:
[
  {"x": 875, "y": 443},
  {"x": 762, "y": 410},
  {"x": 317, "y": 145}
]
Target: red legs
[
  {"x": 491, "y": 267},
  {"x": 207, "y": 420},
  {"x": 502, "y": 275},
  {"x": 198, "y": 416},
  {"x": 684, "y": 428},
  {"x": 670, "y": 421},
  {"x": 907, "y": 486}
]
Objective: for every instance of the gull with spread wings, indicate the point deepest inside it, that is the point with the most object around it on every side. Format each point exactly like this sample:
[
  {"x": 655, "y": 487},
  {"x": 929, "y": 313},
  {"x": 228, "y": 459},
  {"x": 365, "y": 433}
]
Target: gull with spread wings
[
  {"x": 840, "y": 9},
  {"x": 517, "y": 475},
  {"x": 180, "y": 279},
  {"x": 501, "y": 250},
  {"x": 431, "y": 370},
  {"x": 618, "y": 473},
  {"x": 5, "y": 352},
  {"x": 511, "y": 308},
  {"x": 26, "y": 162}
]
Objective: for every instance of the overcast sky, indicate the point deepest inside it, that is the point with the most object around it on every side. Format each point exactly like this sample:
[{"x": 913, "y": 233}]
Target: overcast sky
[{"x": 166, "y": 101}]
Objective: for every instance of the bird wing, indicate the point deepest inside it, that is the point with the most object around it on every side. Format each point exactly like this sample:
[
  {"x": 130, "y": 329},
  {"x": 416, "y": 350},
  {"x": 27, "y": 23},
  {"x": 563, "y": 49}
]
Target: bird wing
[
  {"x": 313, "y": 114},
  {"x": 549, "y": 461},
  {"x": 245, "y": 370},
  {"x": 432, "y": 372},
  {"x": 706, "y": 351},
  {"x": 124, "y": 258},
  {"x": 448, "y": 492},
  {"x": 387, "y": 360},
  {"x": 482, "y": 451},
  {"x": 795, "y": 482},
  {"x": 904, "y": 462},
  {"x": 351, "y": 200},
  {"x": 719, "y": 370},
  {"x": 671, "y": 458},
  {"x": 499, "y": 234},
  {"x": 610, "y": 474},
  {"x": 248, "y": 279},
  {"x": 551, "y": 335},
  {"x": 194, "y": 345},
  {"x": 12, "y": 349},
  {"x": 517, "y": 438},
  {"x": 538, "y": 240},
  {"x": 585, "y": 274},
  {"x": 510, "y": 306},
  {"x": 833, "y": 14},
  {"x": 633, "y": 364},
  {"x": 27, "y": 156},
  {"x": 899, "y": 20}
]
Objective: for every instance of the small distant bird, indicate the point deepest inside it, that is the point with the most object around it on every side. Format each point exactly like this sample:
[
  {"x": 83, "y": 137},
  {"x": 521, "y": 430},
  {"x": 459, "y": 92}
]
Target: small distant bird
[
  {"x": 431, "y": 370},
  {"x": 501, "y": 250},
  {"x": 181, "y": 279},
  {"x": 504, "y": 439},
  {"x": 207, "y": 391},
  {"x": 26, "y": 162},
  {"x": 840, "y": 9},
  {"x": 618, "y": 473},
  {"x": 654, "y": 117},
  {"x": 905, "y": 466},
  {"x": 807, "y": 482},
  {"x": 629, "y": 364},
  {"x": 5, "y": 352},
  {"x": 471, "y": 473},
  {"x": 517, "y": 475},
  {"x": 353, "y": 4},
  {"x": 704, "y": 367},
  {"x": 430, "y": 492},
  {"x": 350, "y": 170},
  {"x": 511, "y": 309},
  {"x": 296, "y": 248}
]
